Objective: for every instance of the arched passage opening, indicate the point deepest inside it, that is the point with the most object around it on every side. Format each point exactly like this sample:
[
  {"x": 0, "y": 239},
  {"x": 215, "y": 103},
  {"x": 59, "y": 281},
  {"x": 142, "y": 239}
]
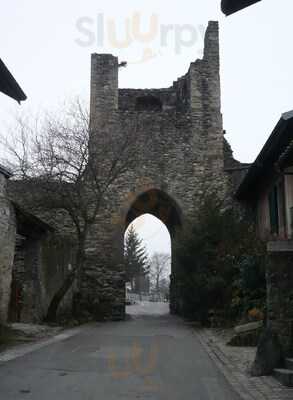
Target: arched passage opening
[
  {"x": 155, "y": 217},
  {"x": 160, "y": 205}
]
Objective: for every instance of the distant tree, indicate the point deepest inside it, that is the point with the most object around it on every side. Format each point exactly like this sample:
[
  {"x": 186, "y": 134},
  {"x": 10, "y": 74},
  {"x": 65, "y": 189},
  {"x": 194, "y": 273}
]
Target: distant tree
[
  {"x": 160, "y": 267},
  {"x": 165, "y": 288},
  {"x": 136, "y": 262}
]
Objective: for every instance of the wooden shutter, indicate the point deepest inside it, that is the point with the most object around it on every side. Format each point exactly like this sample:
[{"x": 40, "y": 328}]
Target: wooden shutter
[{"x": 274, "y": 210}]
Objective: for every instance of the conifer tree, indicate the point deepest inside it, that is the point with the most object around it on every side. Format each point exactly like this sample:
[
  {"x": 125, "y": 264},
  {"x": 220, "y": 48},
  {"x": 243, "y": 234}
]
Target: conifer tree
[{"x": 136, "y": 261}]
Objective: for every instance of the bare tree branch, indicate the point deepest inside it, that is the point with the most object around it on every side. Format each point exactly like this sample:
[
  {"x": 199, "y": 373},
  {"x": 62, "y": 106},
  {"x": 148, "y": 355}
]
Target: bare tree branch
[{"x": 54, "y": 154}]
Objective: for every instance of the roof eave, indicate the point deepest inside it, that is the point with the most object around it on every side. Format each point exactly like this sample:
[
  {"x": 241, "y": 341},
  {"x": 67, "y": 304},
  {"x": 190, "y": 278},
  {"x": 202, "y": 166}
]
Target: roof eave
[
  {"x": 4, "y": 171},
  {"x": 8, "y": 84},
  {"x": 231, "y": 6},
  {"x": 257, "y": 168},
  {"x": 33, "y": 219}
]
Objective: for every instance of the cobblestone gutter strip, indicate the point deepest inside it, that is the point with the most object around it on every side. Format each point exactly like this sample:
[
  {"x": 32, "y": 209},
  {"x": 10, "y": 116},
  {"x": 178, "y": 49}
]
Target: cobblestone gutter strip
[{"x": 248, "y": 388}]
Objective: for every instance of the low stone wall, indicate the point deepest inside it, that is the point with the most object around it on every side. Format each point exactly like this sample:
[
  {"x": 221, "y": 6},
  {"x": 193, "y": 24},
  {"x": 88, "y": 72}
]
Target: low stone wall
[
  {"x": 57, "y": 260},
  {"x": 280, "y": 297},
  {"x": 40, "y": 267}
]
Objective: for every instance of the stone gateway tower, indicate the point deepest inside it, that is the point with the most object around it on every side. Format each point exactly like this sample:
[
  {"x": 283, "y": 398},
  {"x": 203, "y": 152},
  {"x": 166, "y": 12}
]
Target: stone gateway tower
[{"x": 180, "y": 149}]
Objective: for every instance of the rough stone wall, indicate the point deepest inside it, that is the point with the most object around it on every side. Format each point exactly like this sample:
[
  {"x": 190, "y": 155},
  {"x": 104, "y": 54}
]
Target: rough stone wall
[
  {"x": 57, "y": 260},
  {"x": 43, "y": 258},
  {"x": 31, "y": 305},
  {"x": 180, "y": 152},
  {"x": 235, "y": 169},
  {"x": 280, "y": 297},
  {"x": 40, "y": 266},
  {"x": 7, "y": 244}
]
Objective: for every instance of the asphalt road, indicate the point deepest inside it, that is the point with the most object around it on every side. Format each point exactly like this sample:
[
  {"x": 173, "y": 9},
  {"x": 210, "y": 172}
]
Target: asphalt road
[{"x": 151, "y": 356}]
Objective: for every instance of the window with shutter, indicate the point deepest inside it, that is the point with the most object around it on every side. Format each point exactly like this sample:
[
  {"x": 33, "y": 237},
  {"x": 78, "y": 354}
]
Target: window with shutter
[{"x": 274, "y": 210}]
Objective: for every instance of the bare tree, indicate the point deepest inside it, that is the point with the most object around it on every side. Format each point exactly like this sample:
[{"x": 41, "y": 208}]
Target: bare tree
[
  {"x": 70, "y": 175},
  {"x": 160, "y": 267}
]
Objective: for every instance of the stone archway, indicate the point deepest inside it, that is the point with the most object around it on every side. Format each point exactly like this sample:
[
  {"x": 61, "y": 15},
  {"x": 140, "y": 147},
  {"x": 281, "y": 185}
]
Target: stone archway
[
  {"x": 180, "y": 157},
  {"x": 158, "y": 203},
  {"x": 156, "y": 241}
]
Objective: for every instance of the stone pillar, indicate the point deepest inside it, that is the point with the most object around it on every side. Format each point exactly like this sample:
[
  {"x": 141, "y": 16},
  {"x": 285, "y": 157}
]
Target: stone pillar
[
  {"x": 104, "y": 89},
  {"x": 212, "y": 58},
  {"x": 212, "y": 55},
  {"x": 101, "y": 286},
  {"x": 206, "y": 117}
]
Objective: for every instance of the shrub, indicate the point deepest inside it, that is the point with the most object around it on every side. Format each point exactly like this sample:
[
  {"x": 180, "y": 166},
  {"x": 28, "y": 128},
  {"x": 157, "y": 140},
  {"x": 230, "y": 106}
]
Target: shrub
[{"x": 218, "y": 263}]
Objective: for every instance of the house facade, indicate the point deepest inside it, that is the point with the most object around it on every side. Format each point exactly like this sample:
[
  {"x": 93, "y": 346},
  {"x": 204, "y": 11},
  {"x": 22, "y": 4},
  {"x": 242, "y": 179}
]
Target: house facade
[
  {"x": 34, "y": 261},
  {"x": 268, "y": 189}
]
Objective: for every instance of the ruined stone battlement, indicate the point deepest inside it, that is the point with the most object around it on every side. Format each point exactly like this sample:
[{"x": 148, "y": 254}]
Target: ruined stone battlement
[
  {"x": 183, "y": 121},
  {"x": 189, "y": 92}
]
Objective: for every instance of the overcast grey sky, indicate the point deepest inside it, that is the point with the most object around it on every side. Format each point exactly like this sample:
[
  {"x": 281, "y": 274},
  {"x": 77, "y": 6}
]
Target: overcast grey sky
[
  {"x": 45, "y": 45},
  {"x": 154, "y": 234}
]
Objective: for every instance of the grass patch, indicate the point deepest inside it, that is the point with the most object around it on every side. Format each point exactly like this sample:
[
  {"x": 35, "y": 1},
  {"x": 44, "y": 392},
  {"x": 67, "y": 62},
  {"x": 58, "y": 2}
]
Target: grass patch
[{"x": 8, "y": 338}]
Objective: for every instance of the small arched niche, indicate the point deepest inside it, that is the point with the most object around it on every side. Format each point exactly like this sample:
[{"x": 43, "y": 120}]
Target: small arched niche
[{"x": 148, "y": 103}]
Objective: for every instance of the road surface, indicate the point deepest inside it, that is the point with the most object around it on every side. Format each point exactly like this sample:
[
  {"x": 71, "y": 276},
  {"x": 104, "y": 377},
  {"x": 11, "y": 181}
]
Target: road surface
[{"x": 151, "y": 356}]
